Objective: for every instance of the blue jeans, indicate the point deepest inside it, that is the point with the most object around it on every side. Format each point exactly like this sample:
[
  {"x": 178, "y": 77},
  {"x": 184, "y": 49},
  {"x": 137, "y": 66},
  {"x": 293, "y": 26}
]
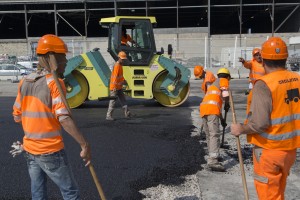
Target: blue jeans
[{"x": 56, "y": 167}]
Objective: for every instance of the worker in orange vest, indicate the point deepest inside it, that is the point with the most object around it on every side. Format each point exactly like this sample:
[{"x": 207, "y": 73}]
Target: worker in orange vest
[
  {"x": 273, "y": 123},
  {"x": 211, "y": 113},
  {"x": 42, "y": 113},
  {"x": 255, "y": 67},
  {"x": 256, "y": 71},
  {"x": 126, "y": 38},
  {"x": 116, "y": 84},
  {"x": 208, "y": 77}
]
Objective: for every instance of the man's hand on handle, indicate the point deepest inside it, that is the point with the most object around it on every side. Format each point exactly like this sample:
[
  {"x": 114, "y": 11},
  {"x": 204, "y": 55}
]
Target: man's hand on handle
[
  {"x": 85, "y": 154},
  {"x": 236, "y": 129}
]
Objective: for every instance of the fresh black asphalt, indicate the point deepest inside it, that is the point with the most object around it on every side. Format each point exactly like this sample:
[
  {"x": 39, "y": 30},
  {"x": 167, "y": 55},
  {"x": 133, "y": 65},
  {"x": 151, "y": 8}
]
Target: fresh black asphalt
[{"x": 155, "y": 147}]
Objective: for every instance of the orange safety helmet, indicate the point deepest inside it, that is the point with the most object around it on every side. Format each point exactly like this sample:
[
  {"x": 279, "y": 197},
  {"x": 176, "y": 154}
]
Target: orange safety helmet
[
  {"x": 122, "y": 55},
  {"x": 51, "y": 43},
  {"x": 198, "y": 71},
  {"x": 274, "y": 49},
  {"x": 255, "y": 51}
]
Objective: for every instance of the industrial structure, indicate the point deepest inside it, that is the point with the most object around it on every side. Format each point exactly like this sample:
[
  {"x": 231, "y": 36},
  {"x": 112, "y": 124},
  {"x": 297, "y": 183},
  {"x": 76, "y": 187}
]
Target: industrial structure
[
  {"x": 212, "y": 33},
  {"x": 33, "y": 18}
]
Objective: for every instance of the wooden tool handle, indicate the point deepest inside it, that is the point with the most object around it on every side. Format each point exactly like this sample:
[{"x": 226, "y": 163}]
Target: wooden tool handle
[
  {"x": 239, "y": 149},
  {"x": 92, "y": 170}
]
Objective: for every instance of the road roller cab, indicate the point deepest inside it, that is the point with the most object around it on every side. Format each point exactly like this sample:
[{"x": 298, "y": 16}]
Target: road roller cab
[{"x": 149, "y": 74}]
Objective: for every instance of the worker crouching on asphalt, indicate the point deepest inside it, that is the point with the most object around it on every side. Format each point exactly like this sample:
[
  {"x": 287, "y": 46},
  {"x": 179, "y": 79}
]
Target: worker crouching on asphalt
[
  {"x": 273, "y": 124},
  {"x": 208, "y": 77},
  {"x": 211, "y": 113},
  {"x": 116, "y": 84},
  {"x": 40, "y": 109}
]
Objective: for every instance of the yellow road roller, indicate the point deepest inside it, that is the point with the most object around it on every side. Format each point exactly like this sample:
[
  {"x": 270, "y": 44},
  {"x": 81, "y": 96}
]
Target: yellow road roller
[{"x": 149, "y": 74}]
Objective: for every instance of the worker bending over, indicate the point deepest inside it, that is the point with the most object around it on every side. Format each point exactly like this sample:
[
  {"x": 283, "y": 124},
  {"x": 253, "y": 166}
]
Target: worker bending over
[
  {"x": 40, "y": 109},
  {"x": 208, "y": 77},
  {"x": 273, "y": 125},
  {"x": 211, "y": 113}
]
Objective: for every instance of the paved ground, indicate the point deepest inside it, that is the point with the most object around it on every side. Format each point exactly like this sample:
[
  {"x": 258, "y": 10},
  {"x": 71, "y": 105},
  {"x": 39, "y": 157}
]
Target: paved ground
[
  {"x": 159, "y": 155},
  {"x": 128, "y": 155}
]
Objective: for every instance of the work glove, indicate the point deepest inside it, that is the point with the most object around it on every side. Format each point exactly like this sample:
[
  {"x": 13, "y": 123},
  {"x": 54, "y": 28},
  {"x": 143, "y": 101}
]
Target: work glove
[
  {"x": 226, "y": 107},
  {"x": 17, "y": 148},
  {"x": 223, "y": 123}
]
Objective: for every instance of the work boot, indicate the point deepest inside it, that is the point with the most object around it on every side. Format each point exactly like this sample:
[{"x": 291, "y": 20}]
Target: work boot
[
  {"x": 109, "y": 118},
  {"x": 217, "y": 167},
  {"x": 127, "y": 112},
  {"x": 109, "y": 114}
]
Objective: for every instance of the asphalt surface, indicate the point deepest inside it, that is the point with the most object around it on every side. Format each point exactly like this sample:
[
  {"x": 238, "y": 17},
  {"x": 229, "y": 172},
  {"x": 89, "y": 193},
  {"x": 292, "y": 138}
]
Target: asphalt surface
[
  {"x": 157, "y": 147},
  {"x": 128, "y": 155}
]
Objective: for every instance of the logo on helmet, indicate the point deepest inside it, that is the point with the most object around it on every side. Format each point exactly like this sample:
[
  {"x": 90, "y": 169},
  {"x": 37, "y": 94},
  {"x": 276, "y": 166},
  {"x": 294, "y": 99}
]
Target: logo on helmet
[{"x": 277, "y": 50}]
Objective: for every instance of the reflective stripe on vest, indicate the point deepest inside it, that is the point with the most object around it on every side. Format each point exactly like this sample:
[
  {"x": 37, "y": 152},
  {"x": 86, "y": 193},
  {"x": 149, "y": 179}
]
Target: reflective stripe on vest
[
  {"x": 285, "y": 119},
  {"x": 49, "y": 79},
  {"x": 62, "y": 111},
  {"x": 43, "y": 135},
  {"x": 117, "y": 77},
  {"x": 284, "y": 136},
  {"x": 37, "y": 114},
  {"x": 213, "y": 92},
  {"x": 17, "y": 104},
  {"x": 212, "y": 103},
  {"x": 56, "y": 100}
]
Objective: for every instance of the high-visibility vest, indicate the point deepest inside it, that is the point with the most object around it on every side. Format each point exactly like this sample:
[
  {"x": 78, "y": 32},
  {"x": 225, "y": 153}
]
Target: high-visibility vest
[
  {"x": 38, "y": 106},
  {"x": 209, "y": 77},
  {"x": 116, "y": 79},
  {"x": 284, "y": 132},
  {"x": 212, "y": 101},
  {"x": 256, "y": 70}
]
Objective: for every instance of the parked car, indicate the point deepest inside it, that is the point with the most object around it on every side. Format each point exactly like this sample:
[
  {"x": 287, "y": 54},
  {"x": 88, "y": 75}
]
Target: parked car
[
  {"x": 24, "y": 70},
  {"x": 14, "y": 70}
]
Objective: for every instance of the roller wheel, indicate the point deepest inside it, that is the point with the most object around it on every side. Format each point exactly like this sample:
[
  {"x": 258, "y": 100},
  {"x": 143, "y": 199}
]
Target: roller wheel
[
  {"x": 165, "y": 100},
  {"x": 79, "y": 98}
]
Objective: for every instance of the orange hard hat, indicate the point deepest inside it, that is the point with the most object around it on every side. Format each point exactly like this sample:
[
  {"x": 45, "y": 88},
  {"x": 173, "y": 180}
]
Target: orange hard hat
[
  {"x": 51, "y": 43},
  {"x": 198, "y": 71},
  {"x": 122, "y": 55},
  {"x": 255, "y": 51},
  {"x": 274, "y": 49}
]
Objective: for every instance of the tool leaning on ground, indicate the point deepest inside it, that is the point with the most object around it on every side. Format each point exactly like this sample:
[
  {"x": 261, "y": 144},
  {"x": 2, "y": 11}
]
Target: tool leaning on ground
[
  {"x": 239, "y": 150},
  {"x": 91, "y": 168},
  {"x": 224, "y": 128}
]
